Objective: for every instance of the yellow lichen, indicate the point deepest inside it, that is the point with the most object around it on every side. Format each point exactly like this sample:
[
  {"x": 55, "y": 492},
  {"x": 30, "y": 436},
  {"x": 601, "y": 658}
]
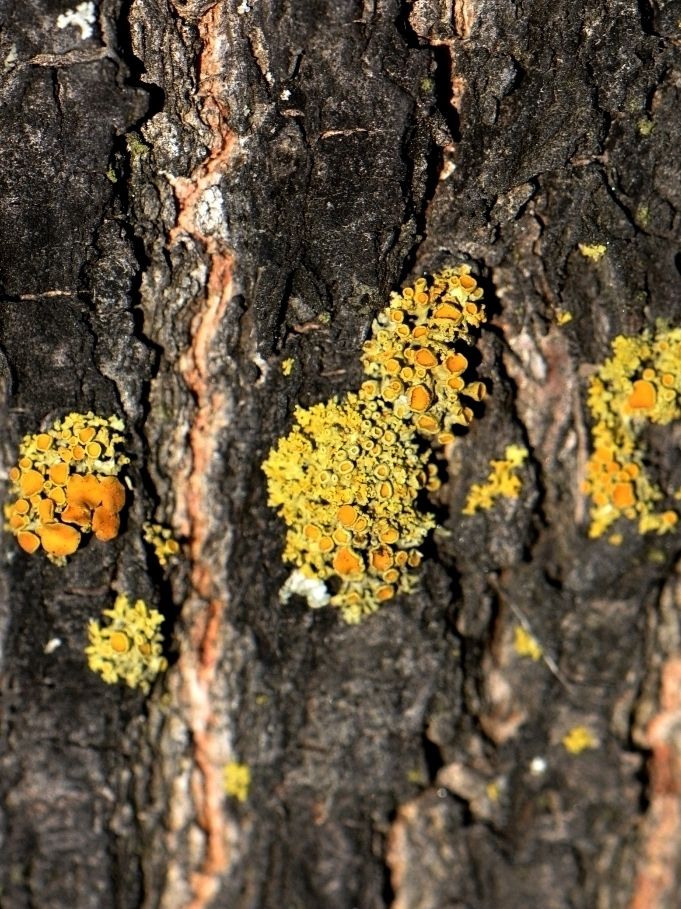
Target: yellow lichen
[
  {"x": 502, "y": 481},
  {"x": 563, "y": 317},
  {"x": 594, "y": 252},
  {"x": 129, "y": 647},
  {"x": 64, "y": 485},
  {"x": 579, "y": 739},
  {"x": 639, "y": 384},
  {"x": 236, "y": 780},
  {"x": 166, "y": 547},
  {"x": 412, "y": 360},
  {"x": 525, "y": 645},
  {"x": 493, "y": 790},
  {"x": 346, "y": 478},
  {"x": 287, "y": 366}
]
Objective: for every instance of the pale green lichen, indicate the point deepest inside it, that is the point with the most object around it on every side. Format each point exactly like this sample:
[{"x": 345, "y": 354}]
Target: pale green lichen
[
  {"x": 129, "y": 647},
  {"x": 639, "y": 384},
  {"x": 347, "y": 477}
]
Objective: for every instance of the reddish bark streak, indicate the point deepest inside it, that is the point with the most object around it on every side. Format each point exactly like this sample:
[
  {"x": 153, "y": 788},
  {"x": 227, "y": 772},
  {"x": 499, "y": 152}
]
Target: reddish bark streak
[
  {"x": 661, "y": 850},
  {"x": 197, "y": 665}
]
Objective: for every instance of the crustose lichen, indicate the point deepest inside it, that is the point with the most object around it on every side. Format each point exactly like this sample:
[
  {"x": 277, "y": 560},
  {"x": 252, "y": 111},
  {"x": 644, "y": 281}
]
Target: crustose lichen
[{"x": 346, "y": 478}]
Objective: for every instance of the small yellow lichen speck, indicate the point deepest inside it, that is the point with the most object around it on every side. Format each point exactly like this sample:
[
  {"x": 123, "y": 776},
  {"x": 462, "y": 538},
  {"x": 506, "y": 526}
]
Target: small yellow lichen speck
[
  {"x": 493, "y": 790},
  {"x": 579, "y": 739},
  {"x": 166, "y": 547},
  {"x": 347, "y": 477},
  {"x": 64, "y": 485},
  {"x": 287, "y": 366},
  {"x": 129, "y": 647},
  {"x": 502, "y": 481},
  {"x": 525, "y": 645},
  {"x": 563, "y": 317},
  {"x": 237, "y": 780},
  {"x": 639, "y": 384},
  {"x": 594, "y": 252}
]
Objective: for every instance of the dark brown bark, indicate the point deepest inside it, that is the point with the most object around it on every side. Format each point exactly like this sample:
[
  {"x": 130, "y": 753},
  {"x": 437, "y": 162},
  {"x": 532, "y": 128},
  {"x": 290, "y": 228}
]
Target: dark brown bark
[{"x": 199, "y": 190}]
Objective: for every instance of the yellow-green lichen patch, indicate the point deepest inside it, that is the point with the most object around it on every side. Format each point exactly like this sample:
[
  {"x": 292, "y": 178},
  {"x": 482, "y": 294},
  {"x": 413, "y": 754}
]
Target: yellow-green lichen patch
[
  {"x": 415, "y": 358},
  {"x": 65, "y": 485},
  {"x": 347, "y": 477},
  {"x": 236, "y": 779},
  {"x": 526, "y": 645},
  {"x": 502, "y": 482},
  {"x": 345, "y": 481},
  {"x": 166, "y": 547},
  {"x": 287, "y": 366},
  {"x": 595, "y": 251},
  {"x": 579, "y": 739},
  {"x": 639, "y": 384},
  {"x": 129, "y": 648}
]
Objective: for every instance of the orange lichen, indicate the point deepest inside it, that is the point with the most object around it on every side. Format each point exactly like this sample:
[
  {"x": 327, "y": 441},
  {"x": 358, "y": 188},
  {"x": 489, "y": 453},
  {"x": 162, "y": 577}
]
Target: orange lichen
[
  {"x": 642, "y": 396},
  {"x": 59, "y": 540},
  {"x": 65, "y": 485},
  {"x": 639, "y": 383},
  {"x": 105, "y": 524}
]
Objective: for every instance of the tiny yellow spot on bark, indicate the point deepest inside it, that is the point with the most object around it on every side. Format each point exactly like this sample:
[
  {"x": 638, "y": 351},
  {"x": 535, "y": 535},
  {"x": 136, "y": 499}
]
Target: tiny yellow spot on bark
[
  {"x": 237, "y": 780},
  {"x": 645, "y": 126},
  {"x": 563, "y": 317},
  {"x": 287, "y": 366},
  {"x": 166, "y": 547},
  {"x": 594, "y": 252},
  {"x": 525, "y": 645},
  {"x": 417, "y": 777},
  {"x": 493, "y": 791},
  {"x": 579, "y": 739}
]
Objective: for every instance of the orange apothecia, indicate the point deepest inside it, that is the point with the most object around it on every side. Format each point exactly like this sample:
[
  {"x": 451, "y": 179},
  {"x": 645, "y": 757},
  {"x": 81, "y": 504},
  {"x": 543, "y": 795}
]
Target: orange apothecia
[
  {"x": 65, "y": 485},
  {"x": 639, "y": 384},
  {"x": 346, "y": 479}
]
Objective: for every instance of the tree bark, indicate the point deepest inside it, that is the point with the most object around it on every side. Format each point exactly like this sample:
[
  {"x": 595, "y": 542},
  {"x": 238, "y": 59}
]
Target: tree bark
[{"x": 193, "y": 192}]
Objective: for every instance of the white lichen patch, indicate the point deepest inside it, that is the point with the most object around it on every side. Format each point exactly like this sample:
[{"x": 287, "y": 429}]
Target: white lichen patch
[
  {"x": 82, "y": 17},
  {"x": 210, "y": 216},
  {"x": 311, "y": 589}
]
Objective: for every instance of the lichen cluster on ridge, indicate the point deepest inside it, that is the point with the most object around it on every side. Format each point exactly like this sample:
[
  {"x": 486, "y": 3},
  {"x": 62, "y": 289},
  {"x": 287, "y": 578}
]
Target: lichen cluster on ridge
[
  {"x": 347, "y": 477},
  {"x": 639, "y": 384},
  {"x": 65, "y": 485}
]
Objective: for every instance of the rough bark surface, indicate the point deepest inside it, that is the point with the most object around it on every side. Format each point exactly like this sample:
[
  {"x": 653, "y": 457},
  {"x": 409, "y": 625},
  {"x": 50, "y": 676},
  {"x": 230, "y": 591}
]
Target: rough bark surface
[{"x": 198, "y": 190}]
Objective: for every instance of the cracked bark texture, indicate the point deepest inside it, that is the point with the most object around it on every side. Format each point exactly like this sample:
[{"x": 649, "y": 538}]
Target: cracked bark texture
[{"x": 189, "y": 195}]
